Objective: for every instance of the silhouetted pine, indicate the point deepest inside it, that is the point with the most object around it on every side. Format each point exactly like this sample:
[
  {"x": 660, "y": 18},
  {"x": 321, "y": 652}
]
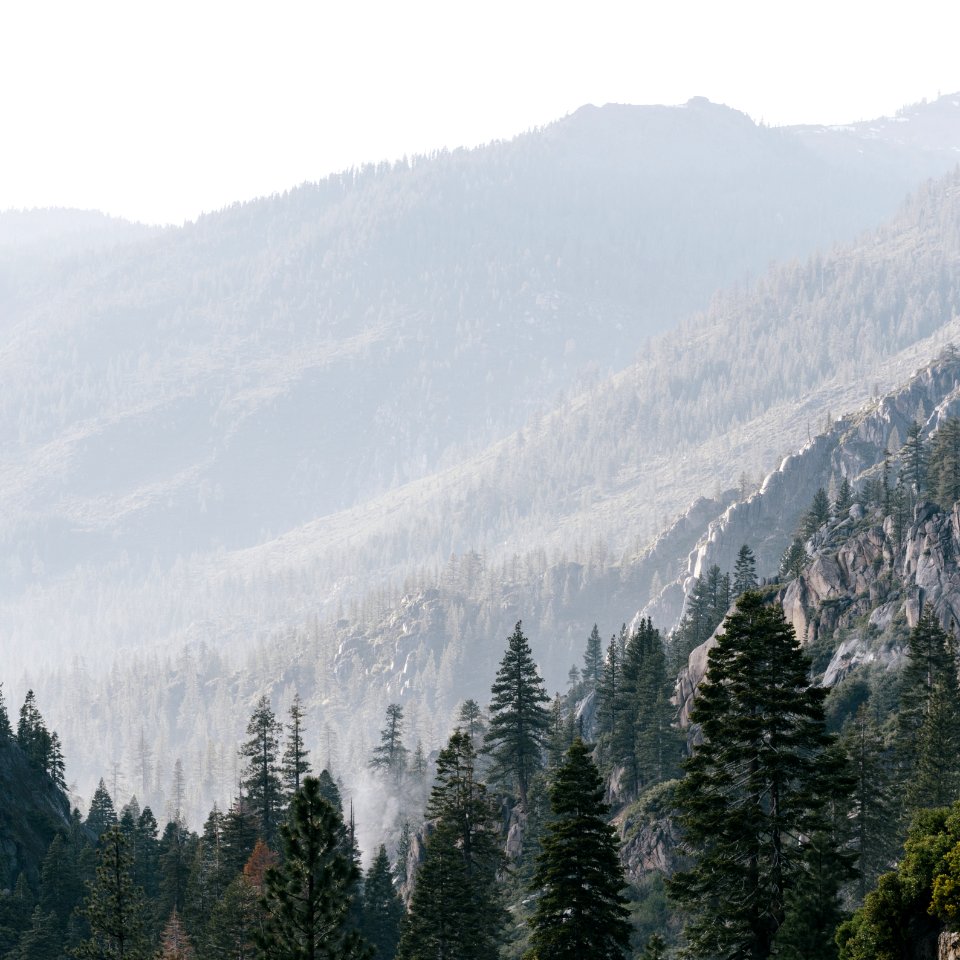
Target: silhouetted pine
[
  {"x": 307, "y": 897},
  {"x": 294, "y": 765},
  {"x": 101, "y": 815},
  {"x": 382, "y": 908},
  {"x": 6, "y": 731},
  {"x": 874, "y": 808},
  {"x": 390, "y": 755},
  {"x": 114, "y": 908},
  {"x": 593, "y": 660},
  {"x": 928, "y": 720},
  {"x": 580, "y": 908},
  {"x": 744, "y": 572},
  {"x": 455, "y": 911},
  {"x": 518, "y": 719},
  {"x": 261, "y": 775},
  {"x": 914, "y": 459},
  {"x": 753, "y": 790}
]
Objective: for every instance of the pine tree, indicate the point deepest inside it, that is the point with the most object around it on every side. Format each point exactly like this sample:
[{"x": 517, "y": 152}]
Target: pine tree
[
  {"x": 609, "y": 693},
  {"x": 928, "y": 721},
  {"x": 101, "y": 815},
  {"x": 943, "y": 467},
  {"x": 307, "y": 897},
  {"x": 42, "y": 940},
  {"x": 655, "y": 949},
  {"x": 61, "y": 877},
  {"x": 744, "y": 572},
  {"x": 6, "y": 732},
  {"x": 518, "y": 719},
  {"x": 241, "y": 827},
  {"x": 455, "y": 912},
  {"x": 115, "y": 908},
  {"x": 914, "y": 458},
  {"x": 874, "y": 806},
  {"x": 593, "y": 660},
  {"x": 794, "y": 560},
  {"x": 56, "y": 766},
  {"x": 261, "y": 775},
  {"x": 390, "y": 756},
  {"x": 402, "y": 853},
  {"x": 814, "y": 908},
  {"x": 844, "y": 501},
  {"x": 330, "y": 791},
  {"x": 656, "y": 745},
  {"x": 753, "y": 788},
  {"x": 816, "y": 516},
  {"x": 175, "y": 943},
  {"x": 295, "y": 765},
  {"x": 33, "y": 737},
  {"x": 176, "y": 852},
  {"x": 382, "y": 908},
  {"x": 580, "y": 909},
  {"x": 235, "y": 922},
  {"x": 470, "y": 719},
  {"x": 557, "y": 741},
  {"x": 145, "y": 849}
]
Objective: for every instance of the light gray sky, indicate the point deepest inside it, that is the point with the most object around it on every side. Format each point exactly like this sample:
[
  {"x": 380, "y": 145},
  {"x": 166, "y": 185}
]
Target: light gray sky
[{"x": 159, "y": 111}]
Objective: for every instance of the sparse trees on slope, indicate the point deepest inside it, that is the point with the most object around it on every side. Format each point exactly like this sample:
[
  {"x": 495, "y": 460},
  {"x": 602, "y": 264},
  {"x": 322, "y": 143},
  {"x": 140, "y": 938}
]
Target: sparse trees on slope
[
  {"x": 518, "y": 718},
  {"x": 753, "y": 787},
  {"x": 580, "y": 908},
  {"x": 34, "y": 738},
  {"x": 307, "y": 897}
]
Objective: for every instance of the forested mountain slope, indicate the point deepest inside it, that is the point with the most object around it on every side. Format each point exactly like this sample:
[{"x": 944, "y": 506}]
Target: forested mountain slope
[
  {"x": 726, "y": 394},
  {"x": 559, "y": 512},
  {"x": 213, "y": 386}
]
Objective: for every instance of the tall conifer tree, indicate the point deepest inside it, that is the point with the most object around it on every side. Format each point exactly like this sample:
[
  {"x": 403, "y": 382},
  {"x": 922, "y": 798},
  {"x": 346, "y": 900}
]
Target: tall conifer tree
[
  {"x": 753, "y": 789},
  {"x": 580, "y": 908},
  {"x": 455, "y": 913},
  {"x": 261, "y": 775},
  {"x": 115, "y": 907},
  {"x": 295, "y": 765},
  {"x": 518, "y": 719},
  {"x": 308, "y": 896}
]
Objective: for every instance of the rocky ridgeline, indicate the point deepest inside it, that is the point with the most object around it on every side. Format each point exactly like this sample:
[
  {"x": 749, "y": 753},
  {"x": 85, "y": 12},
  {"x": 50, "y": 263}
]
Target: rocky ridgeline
[
  {"x": 862, "y": 592},
  {"x": 854, "y": 445},
  {"x": 863, "y": 587}
]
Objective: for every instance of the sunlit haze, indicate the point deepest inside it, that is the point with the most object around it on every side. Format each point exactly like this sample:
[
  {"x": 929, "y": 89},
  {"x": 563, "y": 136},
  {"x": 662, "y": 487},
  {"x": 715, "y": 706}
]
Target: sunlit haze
[{"x": 159, "y": 113}]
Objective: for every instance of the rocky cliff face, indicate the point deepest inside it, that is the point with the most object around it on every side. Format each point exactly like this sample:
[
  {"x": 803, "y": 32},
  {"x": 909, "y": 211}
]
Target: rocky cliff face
[
  {"x": 853, "y": 446},
  {"x": 866, "y": 582},
  {"x": 862, "y": 592}
]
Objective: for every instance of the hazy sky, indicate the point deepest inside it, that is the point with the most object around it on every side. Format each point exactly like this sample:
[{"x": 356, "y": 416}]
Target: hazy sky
[{"x": 158, "y": 111}]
